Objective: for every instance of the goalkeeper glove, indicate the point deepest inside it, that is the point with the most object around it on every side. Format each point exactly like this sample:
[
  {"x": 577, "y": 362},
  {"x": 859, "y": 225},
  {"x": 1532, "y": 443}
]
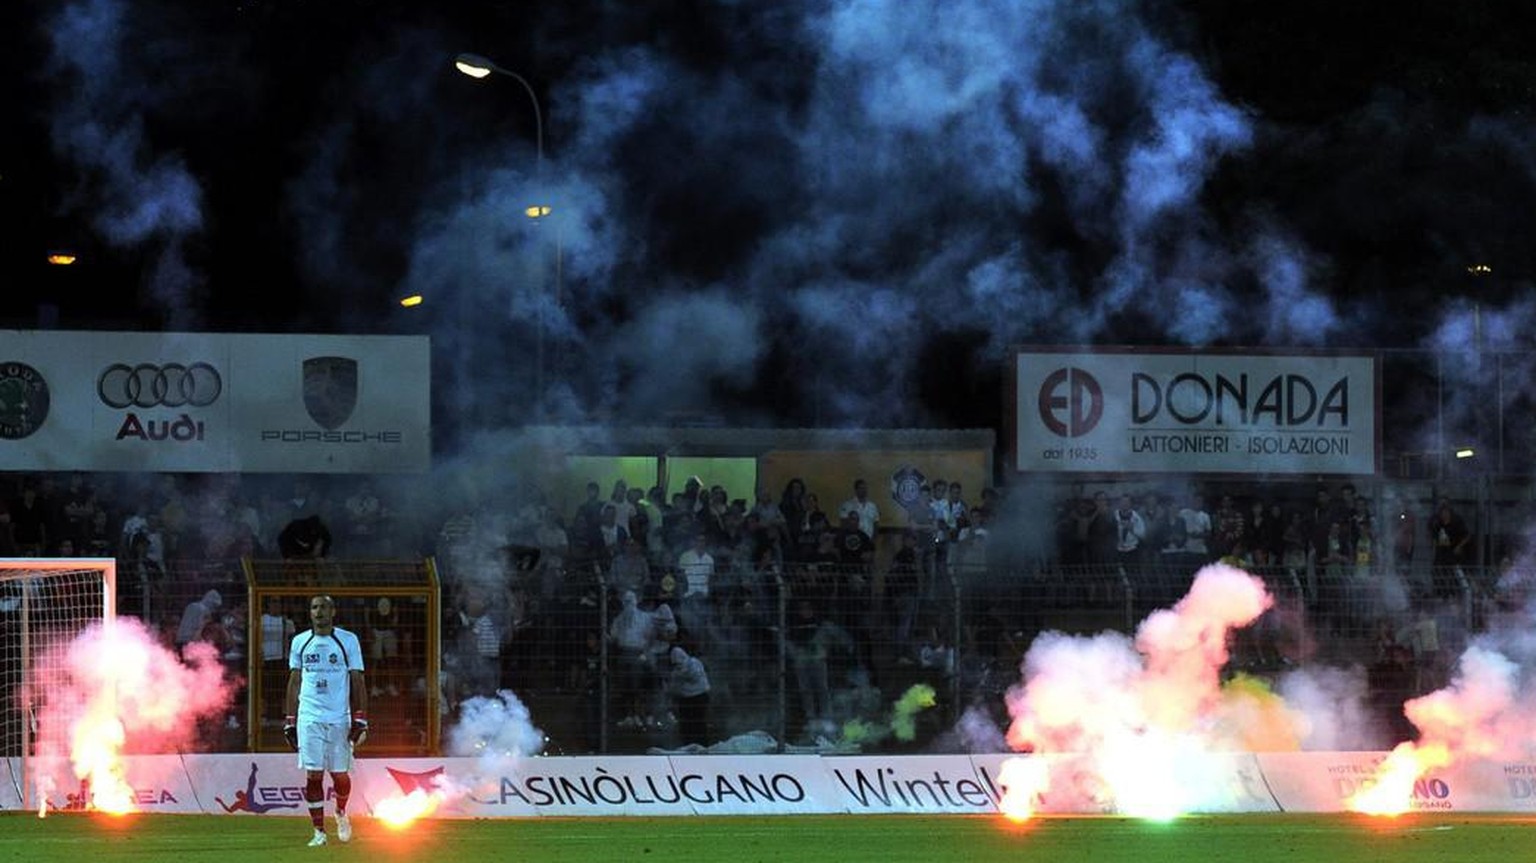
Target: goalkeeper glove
[
  {"x": 359, "y": 727},
  {"x": 291, "y": 733}
]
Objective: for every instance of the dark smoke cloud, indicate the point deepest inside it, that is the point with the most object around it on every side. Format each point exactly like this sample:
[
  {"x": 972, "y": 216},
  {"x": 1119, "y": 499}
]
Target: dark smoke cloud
[
  {"x": 872, "y": 195},
  {"x": 137, "y": 195}
]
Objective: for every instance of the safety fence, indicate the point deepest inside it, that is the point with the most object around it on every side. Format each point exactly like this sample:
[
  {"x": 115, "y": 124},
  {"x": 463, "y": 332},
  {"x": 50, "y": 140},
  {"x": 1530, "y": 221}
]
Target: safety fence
[{"x": 815, "y": 658}]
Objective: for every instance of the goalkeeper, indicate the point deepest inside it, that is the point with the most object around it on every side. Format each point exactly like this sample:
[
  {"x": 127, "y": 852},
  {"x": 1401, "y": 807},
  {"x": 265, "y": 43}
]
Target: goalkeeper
[{"x": 326, "y": 711}]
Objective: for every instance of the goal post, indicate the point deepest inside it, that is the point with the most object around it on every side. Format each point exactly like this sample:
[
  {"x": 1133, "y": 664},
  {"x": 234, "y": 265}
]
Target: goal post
[{"x": 42, "y": 601}]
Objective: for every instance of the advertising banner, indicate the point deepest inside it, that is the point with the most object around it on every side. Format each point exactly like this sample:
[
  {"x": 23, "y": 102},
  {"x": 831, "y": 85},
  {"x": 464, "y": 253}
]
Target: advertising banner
[
  {"x": 907, "y": 784},
  {"x": 158, "y": 783},
  {"x": 214, "y": 402},
  {"x": 1324, "y": 782},
  {"x": 262, "y": 784},
  {"x": 1186, "y": 412},
  {"x": 273, "y": 785},
  {"x": 1207, "y": 782}
]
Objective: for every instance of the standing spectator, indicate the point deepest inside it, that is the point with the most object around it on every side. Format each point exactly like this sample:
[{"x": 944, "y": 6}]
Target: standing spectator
[
  {"x": 479, "y": 646},
  {"x": 632, "y": 633},
  {"x": 612, "y": 537},
  {"x": 196, "y": 616},
  {"x": 926, "y": 538},
  {"x": 1405, "y": 536},
  {"x": 632, "y": 570},
  {"x": 29, "y": 521},
  {"x": 1450, "y": 537},
  {"x": 902, "y": 586},
  {"x": 76, "y": 509},
  {"x": 623, "y": 508},
  {"x": 860, "y": 505},
  {"x": 770, "y": 519},
  {"x": 690, "y": 689},
  {"x": 1129, "y": 531},
  {"x": 806, "y": 641},
  {"x": 697, "y": 566},
  {"x": 7, "y": 535},
  {"x": 958, "y": 514},
  {"x": 1296, "y": 542},
  {"x": 591, "y": 507},
  {"x": 363, "y": 524},
  {"x": 277, "y": 631},
  {"x": 1103, "y": 535},
  {"x": 1229, "y": 526},
  {"x": 1197, "y": 530},
  {"x": 792, "y": 507},
  {"x": 554, "y": 546},
  {"x": 304, "y": 539}
]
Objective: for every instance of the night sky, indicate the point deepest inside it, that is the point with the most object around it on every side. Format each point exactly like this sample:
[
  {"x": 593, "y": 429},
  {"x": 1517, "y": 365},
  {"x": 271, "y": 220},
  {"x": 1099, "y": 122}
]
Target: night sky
[{"x": 827, "y": 212}]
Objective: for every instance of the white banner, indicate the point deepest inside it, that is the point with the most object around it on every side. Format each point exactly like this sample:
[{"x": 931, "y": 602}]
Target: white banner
[
  {"x": 272, "y": 784},
  {"x": 1170, "y": 412},
  {"x": 214, "y": 402}
]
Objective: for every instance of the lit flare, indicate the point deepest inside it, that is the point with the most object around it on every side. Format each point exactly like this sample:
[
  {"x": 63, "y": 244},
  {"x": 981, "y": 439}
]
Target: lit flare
[
  {"x": 398, "y": 813},
  {"x": 1023, "y": 781},
  {"x": 1391, "y": 791}
]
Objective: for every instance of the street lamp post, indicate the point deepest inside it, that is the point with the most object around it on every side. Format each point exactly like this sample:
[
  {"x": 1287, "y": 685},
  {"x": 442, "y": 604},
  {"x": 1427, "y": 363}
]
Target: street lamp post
[{"x": 477, "y": 66}]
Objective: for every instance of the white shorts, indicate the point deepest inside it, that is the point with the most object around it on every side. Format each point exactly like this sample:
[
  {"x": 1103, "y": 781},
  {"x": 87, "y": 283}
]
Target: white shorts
[{"x": 324, "y": 746}]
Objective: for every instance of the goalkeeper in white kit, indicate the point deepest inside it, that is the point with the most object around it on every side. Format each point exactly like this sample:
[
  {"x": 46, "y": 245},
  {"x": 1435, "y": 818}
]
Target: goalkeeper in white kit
[{"x": 326, "y": 711}]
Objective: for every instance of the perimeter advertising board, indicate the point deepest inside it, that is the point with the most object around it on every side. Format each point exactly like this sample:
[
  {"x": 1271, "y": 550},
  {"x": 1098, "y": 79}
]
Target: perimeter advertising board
[
  {"x": 1185, "y": 412},
  {"x": 214, "y": 402}
]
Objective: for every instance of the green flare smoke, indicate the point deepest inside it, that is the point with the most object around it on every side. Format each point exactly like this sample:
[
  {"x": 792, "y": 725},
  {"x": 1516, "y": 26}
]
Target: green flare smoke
[{"x": 904, "y": 715}]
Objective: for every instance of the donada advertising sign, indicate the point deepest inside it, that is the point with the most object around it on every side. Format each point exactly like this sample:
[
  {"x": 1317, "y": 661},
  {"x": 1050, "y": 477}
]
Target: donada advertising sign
[
  {"x": 214, "y": 402},
  {"x": 1184, "y": 412}
]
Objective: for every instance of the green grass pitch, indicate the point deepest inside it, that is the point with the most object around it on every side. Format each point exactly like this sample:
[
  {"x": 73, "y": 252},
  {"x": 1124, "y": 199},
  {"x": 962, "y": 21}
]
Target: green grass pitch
[{"x": 1464, "y": 838}]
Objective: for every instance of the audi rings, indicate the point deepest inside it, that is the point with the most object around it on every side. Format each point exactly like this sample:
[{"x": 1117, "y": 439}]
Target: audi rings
[{"x": 172, "y": 385}]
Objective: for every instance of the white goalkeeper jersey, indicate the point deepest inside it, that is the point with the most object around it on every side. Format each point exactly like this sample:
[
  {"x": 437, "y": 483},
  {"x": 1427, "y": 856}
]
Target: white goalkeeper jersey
[{"x": 324, "y": 661}]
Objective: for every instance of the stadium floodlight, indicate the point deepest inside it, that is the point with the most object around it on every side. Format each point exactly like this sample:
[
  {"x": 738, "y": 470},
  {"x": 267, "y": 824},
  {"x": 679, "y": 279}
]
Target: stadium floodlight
[{"x": 42, "y": 600}]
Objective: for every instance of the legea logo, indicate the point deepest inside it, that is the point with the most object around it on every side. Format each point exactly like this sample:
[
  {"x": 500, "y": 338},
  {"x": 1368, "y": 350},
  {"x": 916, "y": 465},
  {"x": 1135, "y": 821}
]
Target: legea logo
[{"x": 1071, "y": 402}]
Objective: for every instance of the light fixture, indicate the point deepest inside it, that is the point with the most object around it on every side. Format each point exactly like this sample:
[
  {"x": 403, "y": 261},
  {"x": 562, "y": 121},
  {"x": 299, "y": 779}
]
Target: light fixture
[
  {"x": 61, "y": 259},
  {"x": 411, "y": 301},
  {"x": 473, "y": 65},
  {"x": 1466, "y": 452},
  {"x": 1480, "y": 270},
  {"x": 536, "y": 211}
]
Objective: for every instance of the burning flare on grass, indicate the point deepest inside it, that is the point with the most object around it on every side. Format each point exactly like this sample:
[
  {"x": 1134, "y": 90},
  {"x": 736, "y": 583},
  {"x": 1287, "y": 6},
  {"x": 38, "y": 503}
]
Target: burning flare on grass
[
  {"x": 496, "y": 732},
  {"x": 113, "y": 689},
  {"x": 398, "y": 813},
  {"x": 1136, "y": 714},
  {"x": 1391, "y": 790},
  {"x": 1480, "y": 714}
]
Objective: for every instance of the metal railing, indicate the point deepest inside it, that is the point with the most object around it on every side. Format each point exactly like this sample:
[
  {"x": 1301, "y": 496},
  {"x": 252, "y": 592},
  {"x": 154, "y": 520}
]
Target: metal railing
[{"x": 820, "y": 657}]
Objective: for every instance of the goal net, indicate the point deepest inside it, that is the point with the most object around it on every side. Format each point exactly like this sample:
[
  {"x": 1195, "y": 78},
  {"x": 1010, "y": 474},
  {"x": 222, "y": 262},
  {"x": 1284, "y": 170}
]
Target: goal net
[{"x": 43, "y": 602}]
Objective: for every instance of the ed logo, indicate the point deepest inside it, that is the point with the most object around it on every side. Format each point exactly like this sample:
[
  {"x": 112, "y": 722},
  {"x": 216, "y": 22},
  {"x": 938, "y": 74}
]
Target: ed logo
[{"x": 1071, "y": 402}]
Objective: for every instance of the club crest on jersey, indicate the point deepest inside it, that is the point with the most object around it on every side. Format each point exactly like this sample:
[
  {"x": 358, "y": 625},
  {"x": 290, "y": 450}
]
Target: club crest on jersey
[{"x": 334, "y": 658}]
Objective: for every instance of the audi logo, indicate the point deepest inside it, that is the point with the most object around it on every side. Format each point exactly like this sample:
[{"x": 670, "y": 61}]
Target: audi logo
[{"x": 172, "y": 385}]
